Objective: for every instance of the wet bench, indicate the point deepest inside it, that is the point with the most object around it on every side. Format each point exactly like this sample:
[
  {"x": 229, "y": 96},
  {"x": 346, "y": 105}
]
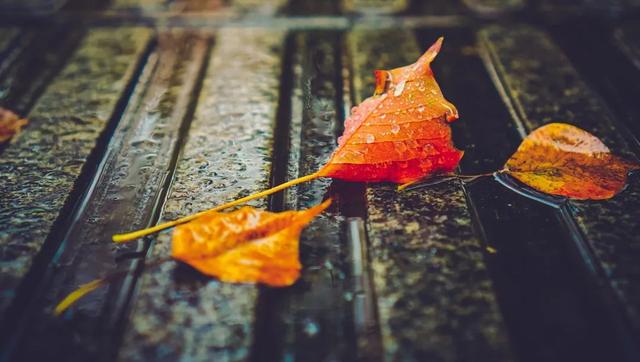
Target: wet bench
[{"x": 139, "y": 119}]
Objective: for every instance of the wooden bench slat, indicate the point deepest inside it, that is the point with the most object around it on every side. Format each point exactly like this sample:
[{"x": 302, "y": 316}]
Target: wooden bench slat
[
  {"x": 136, "y": 169},
  {"x": 439, "y": 8},
  {"x": 7, "y": 37},
  {"x": 626, "y": 38},
  {"x": 494, "y": 7},
  {"x": 39, "y": 170},
  {"x": 543, "y": 87},
  {"x": 179, "y": 314},
  {"x": 36, "y": 58},
  {"x": 537, "y": 279},
  {"x": 313, "y": 315},
  {"x": 374, "y": 6},
  {"x": 435, "y": 297}
]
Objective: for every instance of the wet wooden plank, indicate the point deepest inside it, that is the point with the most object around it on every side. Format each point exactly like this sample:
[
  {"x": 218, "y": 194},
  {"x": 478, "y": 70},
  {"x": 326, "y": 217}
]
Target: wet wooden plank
[
  {"x": 218, "y": 7},
  {"x": 611, "y": 8},
  {"x": 541, "y": 86},
  {"x": 480, "y": 8},
  {"x": 612, "y": 67},
  {"x": 37, "y": 56},
  {"x": 438, "y": 8},
  {"x": 312, "y": 316},
  {"x": 311, "y": 7},
  {"x": 435, "y": 298},
  {"x": 178, "y": 313},
  {"x": 164, "y": 5},
  {"x": 372, "y": 7},
  {"x": 493, "y": 8},
  {"x": 626, "y": 38},
  {"x": 622, "y": 76},
  {"x": 7, "y": 37},
  {"x": 38, "y": 7},
  {"x": 39, "y": 170},
  {"x": 539, "y": 282},
  {"x": 126, "y": 191}
]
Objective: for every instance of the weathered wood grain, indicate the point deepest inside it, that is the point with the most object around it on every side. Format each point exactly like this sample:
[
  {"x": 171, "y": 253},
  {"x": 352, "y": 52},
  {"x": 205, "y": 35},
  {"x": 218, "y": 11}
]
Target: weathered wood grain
[
  {"x": 39, "y": 170},
  {"x": 222, "y": 8},
  {"x": 541, "y": 86},
  {"x": 538, "y": 280},
  {"x": 7, "y": 37},
  {"x": 178, "y": 313},
  {"x": 374, "y": 6},
  {"x": 434, "y": 295},
  {"x": 626, "y": 38},
  {"x": 36, "y": 57},
  {"x": 494, "y": 8},
  {"x": 126, "y": 190},
  {"x": 313, "y": 316}
]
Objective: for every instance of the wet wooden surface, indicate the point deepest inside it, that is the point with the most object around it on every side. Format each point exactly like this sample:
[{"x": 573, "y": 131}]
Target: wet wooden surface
[
  {"x": 143, "y": 111},
  {"x": 427, "y": 264}
]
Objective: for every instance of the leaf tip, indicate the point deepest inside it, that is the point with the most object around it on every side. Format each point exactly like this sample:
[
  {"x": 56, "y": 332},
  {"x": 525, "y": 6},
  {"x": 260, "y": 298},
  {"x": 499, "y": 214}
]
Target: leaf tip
[
  {"x": 321, "y": 207},
  {"x": 74, "y": 296}
]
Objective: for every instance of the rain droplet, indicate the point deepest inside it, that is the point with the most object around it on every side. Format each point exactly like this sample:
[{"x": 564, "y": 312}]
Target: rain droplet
[
  {"x": 395, "y": 128},
  {"x": 421, "y": 109},
  {"x": 310, "y": 328},
  {"x": 383, "y": 116},
  {"x": 429, "y": 149},
  {"x": 354, "y": 109},
  {"x": 370, "y": 138},
  {"x": 399, "y": 89}
]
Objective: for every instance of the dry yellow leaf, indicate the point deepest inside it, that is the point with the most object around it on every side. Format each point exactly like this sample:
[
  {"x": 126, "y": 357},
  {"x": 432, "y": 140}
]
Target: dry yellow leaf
[{"x": 561, "y": 159}]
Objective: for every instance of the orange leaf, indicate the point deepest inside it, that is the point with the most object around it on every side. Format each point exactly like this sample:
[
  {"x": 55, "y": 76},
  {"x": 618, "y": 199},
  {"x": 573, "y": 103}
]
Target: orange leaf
[
  {"x": 400, "y": 134},
  {"x": 245, "y": 246},
  {"x": 561, "y": 159},
  {"x": 10, "y": 124}
]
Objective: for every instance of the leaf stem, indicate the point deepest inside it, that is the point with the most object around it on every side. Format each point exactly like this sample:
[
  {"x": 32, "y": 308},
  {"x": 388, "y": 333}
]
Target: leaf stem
[
  {"x": 120, "y": 238},
  {"x": 434, "y": 180},
  {"x": 87, "y": 288}
]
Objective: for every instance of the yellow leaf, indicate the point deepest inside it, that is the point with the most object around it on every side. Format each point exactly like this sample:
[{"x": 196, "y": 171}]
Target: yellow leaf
[
  {"x": 561, "y": 159},
  {"x": 245, "y": 246}
]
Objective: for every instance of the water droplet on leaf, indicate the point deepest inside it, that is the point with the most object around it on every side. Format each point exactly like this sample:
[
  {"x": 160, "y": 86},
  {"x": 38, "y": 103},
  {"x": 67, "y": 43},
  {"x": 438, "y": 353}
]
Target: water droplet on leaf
[
  {"x": 370, "y": 138},
  {"x": 399, "y": 89}
]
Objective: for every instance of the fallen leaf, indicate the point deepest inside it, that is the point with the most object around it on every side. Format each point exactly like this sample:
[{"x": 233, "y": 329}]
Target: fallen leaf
[
  {"x": 10, "y": 124},
  {"x": 561, "y": 159},
  {"x": 401, "y": 133},
  {"x": 245, "y": 246}
]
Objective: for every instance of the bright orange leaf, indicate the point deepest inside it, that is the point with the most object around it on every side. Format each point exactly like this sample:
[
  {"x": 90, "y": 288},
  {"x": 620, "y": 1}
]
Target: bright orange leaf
[
  {"x": 400, "y": 134},
  {"x": 561, "y": 159},
  {"x": 10, "y": 124},
  {"x": 245, "y": 246}
]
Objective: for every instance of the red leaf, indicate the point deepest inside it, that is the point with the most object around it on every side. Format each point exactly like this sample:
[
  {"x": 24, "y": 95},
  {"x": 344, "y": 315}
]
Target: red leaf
[{"x": 399, "y": 134}]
